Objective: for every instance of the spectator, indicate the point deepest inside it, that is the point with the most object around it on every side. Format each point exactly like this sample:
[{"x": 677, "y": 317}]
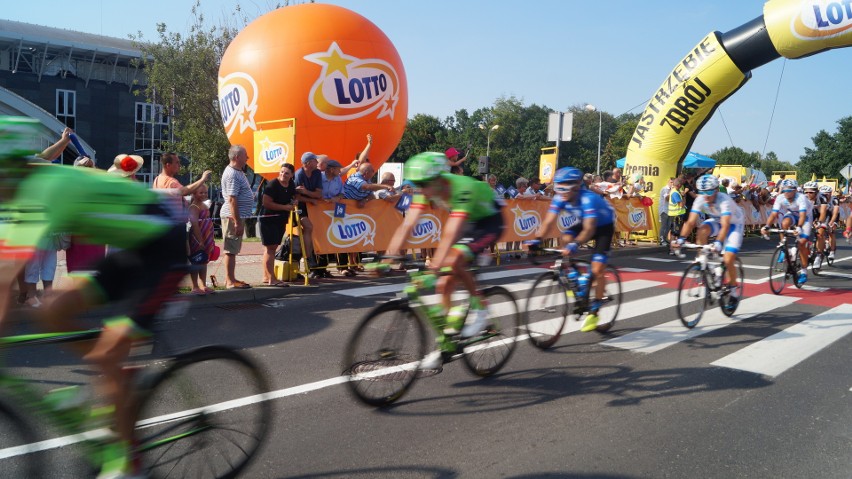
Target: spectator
[
  {"x": 724, "y": 186},
  {"x": 636, "y": 186},
  {"x": 279, "y": 199},
  {"x": 492, "y": 182},
  {"x": 358, "y": 187},
  {"x": 332, "y": 184},
  {"x": 523, "y": 186},
  {"x": 167, "y": 179},
  {"x": 456, "y": 164},
  {"x": 201, "y": 242},
  {"x": 126, "y": 165},
  {"x": 363, "y": 157},
  {"x": 388, "y": 179},
  {"x": 237, "y": 206},
  {"x": 42, "y": 267},
  {"x": 663, "y": 211},
  {"x": 676, "y": 209},
  {"x": 81, "y": 256},
  {"x": 308, "y": 182},
  {"x": 617, "y": 177}
]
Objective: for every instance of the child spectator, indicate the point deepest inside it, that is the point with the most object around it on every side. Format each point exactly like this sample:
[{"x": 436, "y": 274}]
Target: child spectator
[{"x": 200, "y": 241}]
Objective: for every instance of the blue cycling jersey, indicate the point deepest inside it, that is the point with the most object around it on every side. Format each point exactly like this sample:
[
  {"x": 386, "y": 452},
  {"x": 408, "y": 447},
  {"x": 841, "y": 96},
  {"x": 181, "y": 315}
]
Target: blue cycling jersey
[{"x": 586, "y": 204}]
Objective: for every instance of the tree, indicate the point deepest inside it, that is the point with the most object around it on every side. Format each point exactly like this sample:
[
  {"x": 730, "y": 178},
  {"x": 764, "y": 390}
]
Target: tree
[
  {"x": 616, "y": 146},
  {"x": 831, "y": 152}
]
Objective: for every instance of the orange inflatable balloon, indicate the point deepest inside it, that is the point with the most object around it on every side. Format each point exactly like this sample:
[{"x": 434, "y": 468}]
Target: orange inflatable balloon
[{"x": 331, "y": 69}]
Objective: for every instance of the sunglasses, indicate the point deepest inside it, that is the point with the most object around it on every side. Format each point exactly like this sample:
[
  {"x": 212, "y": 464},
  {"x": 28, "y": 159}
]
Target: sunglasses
[{"x": 706, "y": 192}]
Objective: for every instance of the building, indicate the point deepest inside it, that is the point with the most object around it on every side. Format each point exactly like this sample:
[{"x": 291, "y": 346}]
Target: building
[{"x": 91, "y": 83}]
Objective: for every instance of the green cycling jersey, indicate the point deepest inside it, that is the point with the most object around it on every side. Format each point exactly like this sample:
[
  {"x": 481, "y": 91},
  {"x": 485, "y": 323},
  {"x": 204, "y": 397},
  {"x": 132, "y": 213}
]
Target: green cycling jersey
[
  {"x": 94, "y": 205},
  {"x": 469, "y": 197}
]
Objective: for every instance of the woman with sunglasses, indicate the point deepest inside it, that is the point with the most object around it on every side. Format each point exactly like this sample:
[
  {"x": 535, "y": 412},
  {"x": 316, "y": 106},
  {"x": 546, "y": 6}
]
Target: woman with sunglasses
[
  {"x": 792, "y": 206},
  {"x": 724, "y": 220},
  {"x": 595, "y": 219}
]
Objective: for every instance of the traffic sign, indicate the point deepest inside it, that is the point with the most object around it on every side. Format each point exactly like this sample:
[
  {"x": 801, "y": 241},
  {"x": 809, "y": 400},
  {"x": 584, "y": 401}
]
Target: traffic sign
[{"x": 846, "y": 171}]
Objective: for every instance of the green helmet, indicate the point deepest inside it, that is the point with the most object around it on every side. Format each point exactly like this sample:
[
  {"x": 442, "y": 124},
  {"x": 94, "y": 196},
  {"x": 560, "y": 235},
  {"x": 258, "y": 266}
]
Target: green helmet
[
  {"x": 17, "y": 140},
  {"x": 424, "y": 167}
]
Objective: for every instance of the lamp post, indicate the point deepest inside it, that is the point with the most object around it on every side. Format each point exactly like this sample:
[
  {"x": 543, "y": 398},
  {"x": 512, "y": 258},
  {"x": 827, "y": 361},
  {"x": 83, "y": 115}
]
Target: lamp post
[
  {"x": 488, "y": 143},
  {"x": 600, "y": 124}
]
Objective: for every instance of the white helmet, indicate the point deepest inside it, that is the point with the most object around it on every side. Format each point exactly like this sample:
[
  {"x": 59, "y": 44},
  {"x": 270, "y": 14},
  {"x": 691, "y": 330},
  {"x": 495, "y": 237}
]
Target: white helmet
[
  {"x": 810, "y": 185},
  {"x": 787, "y": 184},
  {"x": 826, "y": 189},
  {"x": 707, "y": 183}
]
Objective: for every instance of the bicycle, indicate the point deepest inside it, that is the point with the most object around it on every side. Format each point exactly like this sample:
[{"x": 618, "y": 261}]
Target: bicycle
[
  {"x": 180, "y": 430},
  {"x": 383, "y": 355},
  {"x": 557, "y": 294},
  {"x": 785, "y": 262},
  {"x": 701, "y": 286}
]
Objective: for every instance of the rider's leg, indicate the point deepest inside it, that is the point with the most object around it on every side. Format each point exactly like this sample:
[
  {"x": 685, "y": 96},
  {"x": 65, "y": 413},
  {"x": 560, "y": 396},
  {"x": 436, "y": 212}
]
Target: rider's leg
[
  {"x": 598, "y": 269},
  {"x": 729, "y": 258}
]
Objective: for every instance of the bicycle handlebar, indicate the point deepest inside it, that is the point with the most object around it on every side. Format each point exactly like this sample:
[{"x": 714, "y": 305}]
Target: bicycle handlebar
[
  {"x": 705, "y": 248},
  {"x": 778, "y": 230}
]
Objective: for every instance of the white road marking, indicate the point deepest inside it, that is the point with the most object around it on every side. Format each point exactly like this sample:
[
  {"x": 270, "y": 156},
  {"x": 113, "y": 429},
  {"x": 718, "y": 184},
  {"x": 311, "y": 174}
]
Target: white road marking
[
  {"x": 653, "y": 339},
  {"x": 633, "y": 270},
  {"x": 395, "y": 288},
  {"x": 781, "y": 351},
  {"x": 659, "y": 260},
  {"x": 835, "y": 274}
]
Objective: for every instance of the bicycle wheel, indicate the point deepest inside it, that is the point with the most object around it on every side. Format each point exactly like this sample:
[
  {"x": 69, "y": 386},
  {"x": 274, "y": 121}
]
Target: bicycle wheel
[
  {"x": 548, "y": 305},
  {"x": 204, "y": 415},
  {"x": 611, "y": 301},
  {"x": 693, "y": 296},
  {"x": 812, "y": 260},
  {"x": 383, "y": 354},
  {"x": 486, "y": 354},
  {"x": 778, "y": 271},
  {"x": 16, "y": 437},
  {"x": 728, "y": 306}
]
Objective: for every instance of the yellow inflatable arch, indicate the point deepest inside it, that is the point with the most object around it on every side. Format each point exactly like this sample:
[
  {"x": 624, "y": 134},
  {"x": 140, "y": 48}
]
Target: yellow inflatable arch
[{"x": 717, "y": 67}]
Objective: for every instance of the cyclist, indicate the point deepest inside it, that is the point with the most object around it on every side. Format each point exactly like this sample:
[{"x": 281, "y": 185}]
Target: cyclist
[
  {"x": 595, "y": 222},
  {"x": 39, "y": 200},
  {"x": 792, "y": 206},
  {"x": 475, "y": 222},
  {"x": 724, "y": 220},
  {"x": 826, "y": 213}
]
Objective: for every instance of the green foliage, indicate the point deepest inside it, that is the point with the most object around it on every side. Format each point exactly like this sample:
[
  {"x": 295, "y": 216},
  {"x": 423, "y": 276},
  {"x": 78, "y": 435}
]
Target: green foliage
[
  {"x": 733, "y": 155},
  {"x": 831, "y": 152}
]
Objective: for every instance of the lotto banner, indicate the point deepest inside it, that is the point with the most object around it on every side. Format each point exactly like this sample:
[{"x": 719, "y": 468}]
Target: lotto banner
[
  {"x": 272, "y": 148},
  {"x": 370, "y": 228},
  {"x": 547, "y": 165}
]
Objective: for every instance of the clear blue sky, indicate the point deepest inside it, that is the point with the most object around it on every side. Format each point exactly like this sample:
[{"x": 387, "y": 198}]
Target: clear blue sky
[{"x": 558, "y": 53}]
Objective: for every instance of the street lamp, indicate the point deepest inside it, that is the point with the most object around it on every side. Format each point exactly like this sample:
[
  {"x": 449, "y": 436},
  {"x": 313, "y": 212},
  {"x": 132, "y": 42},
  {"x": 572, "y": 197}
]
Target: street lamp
[
  {"x": 488, "y": 144},
  {"x": 600, "y": 124}
]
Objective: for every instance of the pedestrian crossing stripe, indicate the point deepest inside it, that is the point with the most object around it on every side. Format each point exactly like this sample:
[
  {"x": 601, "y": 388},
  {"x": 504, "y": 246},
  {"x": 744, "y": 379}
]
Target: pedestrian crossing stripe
[
  {"x": 659, "y": 337},
  {"x": 396, "y": 288},
  {"x": 781, "y": 351}
]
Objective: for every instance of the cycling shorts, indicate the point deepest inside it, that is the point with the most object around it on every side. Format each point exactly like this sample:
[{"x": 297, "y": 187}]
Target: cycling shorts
[
  {"x": 734, "y": 240},
  {"x": 478, "y": 236},
  {"x": 141, "y": 275},
  {"x": 603, "y": 241},
  {"x": 806, "y": 230}
]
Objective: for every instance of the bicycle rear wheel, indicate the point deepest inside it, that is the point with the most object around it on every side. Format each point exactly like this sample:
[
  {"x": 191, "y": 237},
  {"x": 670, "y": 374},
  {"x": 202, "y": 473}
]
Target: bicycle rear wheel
[
  {"x": 16, "y": 458},
  {"x": 812, "y": 260},
  {"x": 383, "y": 354},
  {"x": 204, "y": 415},
  {"x": 611, "y": 301},
  {"x": 778, "y": 271},
  {"x": 486, "y": 354},
  {"x": 726, "y": 302},
  {"x": 548, "y": 305},
  {"x": 693, "y": 296}
]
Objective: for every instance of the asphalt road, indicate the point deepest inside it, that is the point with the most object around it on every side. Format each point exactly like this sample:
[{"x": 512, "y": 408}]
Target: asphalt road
[{"x": 767, "y": 394}]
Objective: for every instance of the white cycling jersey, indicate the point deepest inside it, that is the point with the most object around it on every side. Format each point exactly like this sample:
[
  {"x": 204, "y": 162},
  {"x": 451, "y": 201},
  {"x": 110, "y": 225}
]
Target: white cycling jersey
[
  {"x": 723, "y": 206},
  {"x": 799, "y": 203}
]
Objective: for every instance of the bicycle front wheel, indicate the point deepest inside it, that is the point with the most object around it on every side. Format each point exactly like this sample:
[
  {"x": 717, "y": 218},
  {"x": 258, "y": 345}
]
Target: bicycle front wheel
[
  {"x": 486, "y": 354},
  {"x": 384, "y": 353},
  {"x": 693, "y": 295},
  {"x": 548, "y": 305},
  {"x": 16, "y": 437},
  {"x": 204, "y": 415},
  {"x": 778, "y": 271},
  {"x": 611, "y": 300}
]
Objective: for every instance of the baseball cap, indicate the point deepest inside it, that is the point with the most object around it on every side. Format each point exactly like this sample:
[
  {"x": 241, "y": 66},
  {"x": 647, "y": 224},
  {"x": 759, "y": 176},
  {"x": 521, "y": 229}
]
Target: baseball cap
[
  {"x": 308, "y": 156},
  {"x": 451, "y": 152},
  {"x": 333, "y": 164}
]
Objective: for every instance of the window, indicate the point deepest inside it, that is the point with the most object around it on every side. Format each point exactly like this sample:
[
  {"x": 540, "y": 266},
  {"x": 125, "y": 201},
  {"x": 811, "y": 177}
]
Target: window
[
  {"x": 66, "y": 107},
  {"x": 152, "y": 124}
]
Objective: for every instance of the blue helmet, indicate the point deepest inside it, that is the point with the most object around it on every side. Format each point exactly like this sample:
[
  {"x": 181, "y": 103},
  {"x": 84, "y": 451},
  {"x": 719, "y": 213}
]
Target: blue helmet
[{"x": 569, "y": 173}]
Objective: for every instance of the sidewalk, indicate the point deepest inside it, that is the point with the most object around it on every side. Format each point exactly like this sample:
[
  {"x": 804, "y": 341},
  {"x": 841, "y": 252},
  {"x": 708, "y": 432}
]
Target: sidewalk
[{"x": 250, "y": 270}]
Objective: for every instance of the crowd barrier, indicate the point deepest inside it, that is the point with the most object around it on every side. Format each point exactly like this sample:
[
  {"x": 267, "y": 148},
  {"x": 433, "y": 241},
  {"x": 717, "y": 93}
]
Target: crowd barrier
[{"x": 346, "y": 228}]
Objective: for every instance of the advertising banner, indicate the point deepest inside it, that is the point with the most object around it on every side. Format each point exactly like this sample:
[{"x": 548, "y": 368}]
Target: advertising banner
[
  {"x": 272, "y": 148},
  {"x": 800, "y": 28}
]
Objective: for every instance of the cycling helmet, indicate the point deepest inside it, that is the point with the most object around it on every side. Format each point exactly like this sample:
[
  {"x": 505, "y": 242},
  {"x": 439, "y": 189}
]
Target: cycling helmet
[
  {"x": 788, "y": 185},
  {"x": 564, "y": 175},
  {"x": 17, "y": 141},
  {"x": 826, "y": 189},
  {"x": 810, "y": 185},
  {"x": 707, "y": 183},
  {"x": 424, "y": 167}
]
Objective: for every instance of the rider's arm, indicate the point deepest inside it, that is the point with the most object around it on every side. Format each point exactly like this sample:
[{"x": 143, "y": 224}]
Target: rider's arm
[
  {"x": 803, "y": 216},
  {"x": 823, "y": 210}
]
